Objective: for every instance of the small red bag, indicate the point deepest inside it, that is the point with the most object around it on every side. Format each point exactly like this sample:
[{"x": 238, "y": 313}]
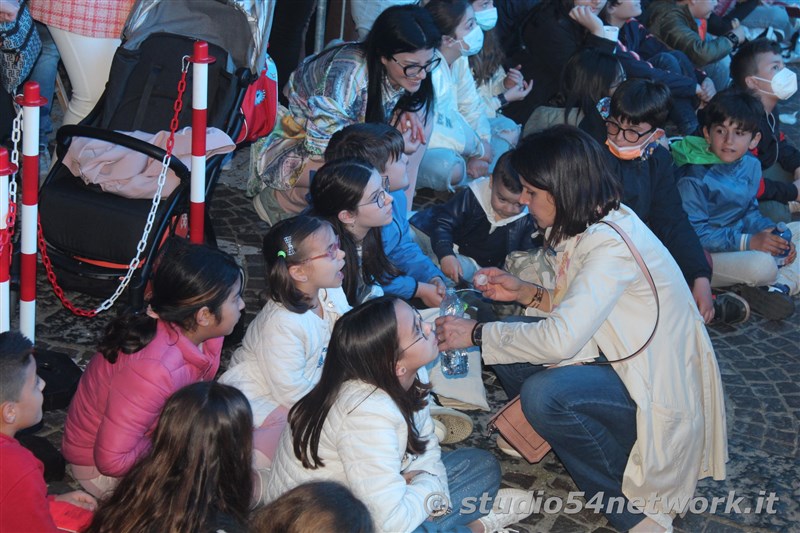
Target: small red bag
[{"x": 260, "y": 104}]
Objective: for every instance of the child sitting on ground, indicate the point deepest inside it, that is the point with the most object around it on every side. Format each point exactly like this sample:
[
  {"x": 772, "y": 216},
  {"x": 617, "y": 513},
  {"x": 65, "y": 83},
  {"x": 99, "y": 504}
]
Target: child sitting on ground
[
  {"x": 639, "y": 110},
  {"x": 283, "y": 351},
  {"x": 24, "y": 504},
  {"x": 683, "y": 25},
  {"x": 145, "y": 356},
  {"x": 381, "y": 146},
  {"x": 718, "y": 182},
  {"x": 484, "y": 221},
  {"x": 758, "y": 67}
]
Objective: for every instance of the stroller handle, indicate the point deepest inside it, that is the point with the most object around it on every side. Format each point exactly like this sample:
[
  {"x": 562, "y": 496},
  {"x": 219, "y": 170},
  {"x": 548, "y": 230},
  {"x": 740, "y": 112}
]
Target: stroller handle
[{"x": 65, "y": 133}]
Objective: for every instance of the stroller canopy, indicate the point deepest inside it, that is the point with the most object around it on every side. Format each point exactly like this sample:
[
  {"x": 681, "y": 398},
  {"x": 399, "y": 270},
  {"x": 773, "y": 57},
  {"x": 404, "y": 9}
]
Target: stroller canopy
[{"x": 239, "y": 26}]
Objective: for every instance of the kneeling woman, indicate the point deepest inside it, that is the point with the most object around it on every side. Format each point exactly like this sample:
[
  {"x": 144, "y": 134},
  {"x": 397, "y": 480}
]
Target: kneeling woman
[
  {"x": 648, "y": 426},
  {"x": 367, "y": 425}
]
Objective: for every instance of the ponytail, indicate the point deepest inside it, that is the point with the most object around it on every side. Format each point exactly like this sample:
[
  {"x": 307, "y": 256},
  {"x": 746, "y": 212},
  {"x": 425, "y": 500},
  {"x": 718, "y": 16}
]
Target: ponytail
[{"x": 187, "y": 277}]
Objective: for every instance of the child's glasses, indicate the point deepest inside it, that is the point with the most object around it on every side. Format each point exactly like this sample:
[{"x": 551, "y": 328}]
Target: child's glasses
[
  {"x": 419, "y": 328},
  {"x": 412, "y": 71},
  {"x": 631, "y": 136},
  {"x": 380, "y": 199},
  {"x": 333, "y": 250}
]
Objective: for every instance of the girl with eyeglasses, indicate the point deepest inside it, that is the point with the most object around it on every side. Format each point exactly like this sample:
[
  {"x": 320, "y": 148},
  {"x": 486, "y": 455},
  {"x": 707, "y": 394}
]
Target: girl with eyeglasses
[
  {"x": 367, "y": 425},
  {"x": 351, "y": 195},
  {"x": 383, "y": 79},
  {"x": 283, "y": 351}
]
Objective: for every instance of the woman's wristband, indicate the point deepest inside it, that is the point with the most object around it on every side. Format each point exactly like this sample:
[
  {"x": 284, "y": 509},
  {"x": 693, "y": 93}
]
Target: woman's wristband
[
  {"x": 502, "y": 98},
  {"x": 538, "y": 295}
]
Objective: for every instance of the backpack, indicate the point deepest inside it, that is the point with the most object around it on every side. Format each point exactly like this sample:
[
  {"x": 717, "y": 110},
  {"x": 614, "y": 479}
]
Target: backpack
[{"x": 260, "y": 104}]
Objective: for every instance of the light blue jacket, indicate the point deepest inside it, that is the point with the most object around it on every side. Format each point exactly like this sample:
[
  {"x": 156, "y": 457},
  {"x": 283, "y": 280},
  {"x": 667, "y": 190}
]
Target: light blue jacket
[
  {"x": 406, "y": 255},
  {"x": 720, "y": 200}
]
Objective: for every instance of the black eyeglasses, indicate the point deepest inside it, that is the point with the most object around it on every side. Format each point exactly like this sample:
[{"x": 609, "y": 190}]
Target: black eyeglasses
[
  {"x": 632, "y": 136},
  {"x": 420, "y": 328},
  {"x": 412, "y": 71},
  {"x": 380, "y": 199}
]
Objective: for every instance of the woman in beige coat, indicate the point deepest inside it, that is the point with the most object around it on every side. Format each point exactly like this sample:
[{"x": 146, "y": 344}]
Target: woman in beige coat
[{"x": 637, "y": 435}]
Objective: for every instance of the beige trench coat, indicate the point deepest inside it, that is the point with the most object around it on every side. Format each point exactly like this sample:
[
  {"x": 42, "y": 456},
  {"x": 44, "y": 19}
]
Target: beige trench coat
[{"x": 607, "y": 304}]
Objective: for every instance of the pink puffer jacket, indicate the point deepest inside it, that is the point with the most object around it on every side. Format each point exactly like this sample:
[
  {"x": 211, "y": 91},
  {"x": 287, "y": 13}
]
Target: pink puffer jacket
[{"x": 116, "y": 407}]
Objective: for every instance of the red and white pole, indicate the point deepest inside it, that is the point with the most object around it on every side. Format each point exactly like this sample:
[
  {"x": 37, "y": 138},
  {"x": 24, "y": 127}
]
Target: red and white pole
[
  {"x": 200, "y": 61},
  {"x": 30, "y": 101},
  {"x": 6, "y": 169}
]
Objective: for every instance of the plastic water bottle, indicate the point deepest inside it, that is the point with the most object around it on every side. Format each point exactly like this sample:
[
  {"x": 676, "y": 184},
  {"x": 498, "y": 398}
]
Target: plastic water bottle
[
  {"x": 454, "y": 362},
  {"x": 782, "y": 231}
]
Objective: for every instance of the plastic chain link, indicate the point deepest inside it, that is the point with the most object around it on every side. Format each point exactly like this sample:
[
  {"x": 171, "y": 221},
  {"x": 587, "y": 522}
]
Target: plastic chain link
[{"x": 151, "y": 216}]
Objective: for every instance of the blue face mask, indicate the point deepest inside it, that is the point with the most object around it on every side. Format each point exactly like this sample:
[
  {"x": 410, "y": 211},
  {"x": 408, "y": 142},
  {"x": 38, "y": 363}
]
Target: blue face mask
[
  {"x": 473, "y": 40},
  {"x": 486, "y": 19}
]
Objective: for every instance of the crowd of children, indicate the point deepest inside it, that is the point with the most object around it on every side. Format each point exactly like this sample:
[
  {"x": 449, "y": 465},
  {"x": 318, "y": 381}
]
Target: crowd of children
[{"x": 323, "y": 418}]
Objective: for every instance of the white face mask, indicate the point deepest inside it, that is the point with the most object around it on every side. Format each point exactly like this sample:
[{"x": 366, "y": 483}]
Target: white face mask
[
  {"x": 783, "y": 84},
  {"x": 487, "y": 18},
  {"x": 473, "y": 40}
]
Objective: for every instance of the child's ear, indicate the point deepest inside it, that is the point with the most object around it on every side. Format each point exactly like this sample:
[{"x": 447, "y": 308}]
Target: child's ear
[
  {"x": 751, "y": 83},
  {"x": 754, "y": 142},
  {"x": 203, "y": 316},
  {"x": 706, "y": 134},
  {"x": 400, "y": 370},
  {"x": 298, "y": 273},
  {"x": 8, "y": 410},
  {"x": 346, "y": 217}
]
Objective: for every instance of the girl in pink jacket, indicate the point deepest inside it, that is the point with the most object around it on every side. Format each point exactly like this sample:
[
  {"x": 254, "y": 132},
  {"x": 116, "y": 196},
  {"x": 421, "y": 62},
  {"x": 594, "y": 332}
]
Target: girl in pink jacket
[{"x": 145, "y": 356}]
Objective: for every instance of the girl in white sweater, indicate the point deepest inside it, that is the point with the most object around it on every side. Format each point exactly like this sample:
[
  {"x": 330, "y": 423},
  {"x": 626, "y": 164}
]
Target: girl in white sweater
[
  {"x": 283, "y": 351},
  {"x": 367, "y": 425}
]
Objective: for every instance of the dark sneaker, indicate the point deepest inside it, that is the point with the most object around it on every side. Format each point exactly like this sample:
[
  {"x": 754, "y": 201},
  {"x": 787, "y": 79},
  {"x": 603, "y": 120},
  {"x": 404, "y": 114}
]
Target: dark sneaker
[
  {"x": 730, "y": 308},
  {"x": 772, "y": 302}
]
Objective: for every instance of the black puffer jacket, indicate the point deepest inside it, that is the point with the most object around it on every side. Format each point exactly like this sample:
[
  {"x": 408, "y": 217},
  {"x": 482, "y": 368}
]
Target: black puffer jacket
[{"x": 462, "y": 221}]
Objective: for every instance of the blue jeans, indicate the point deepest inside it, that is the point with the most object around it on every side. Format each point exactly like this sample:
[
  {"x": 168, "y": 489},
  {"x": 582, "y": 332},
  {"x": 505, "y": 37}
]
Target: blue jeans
[
  {"x": 44, "y": 73},
  {"x": 587, "y": 416},
  {"x": 471, "y": 473}
]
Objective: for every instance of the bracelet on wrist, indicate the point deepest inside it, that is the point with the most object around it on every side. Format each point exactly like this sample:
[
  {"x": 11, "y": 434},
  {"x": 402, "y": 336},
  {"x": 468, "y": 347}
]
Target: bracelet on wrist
[
  {"x": 733, "y": 39},
  {"x": 536, "y": 301},
  {"x": 502, "y": 98}
]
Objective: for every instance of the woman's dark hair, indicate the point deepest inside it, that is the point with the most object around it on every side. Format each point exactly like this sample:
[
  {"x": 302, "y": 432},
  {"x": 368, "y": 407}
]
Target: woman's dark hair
[
  {"x": 447, "y": 14},
  {"x": 637, "y": 100},
  {"x": 398, "y": 29},
  {"x": 187, "y": 277},
  {"x": 571, "y": 166},
  {"x": 198, "y": 471},
  {"x": 324, "y": 506},
  {"x": 339, "y": 186},
  {"x": 736, "y": 105},
  {"x": 587, "y": 77},
  {"x": 505, "y": 173},
  {"x": 745, "y": 61},
  {"x": 364, "y": 346},
  {"x": 283, "y": 246}
]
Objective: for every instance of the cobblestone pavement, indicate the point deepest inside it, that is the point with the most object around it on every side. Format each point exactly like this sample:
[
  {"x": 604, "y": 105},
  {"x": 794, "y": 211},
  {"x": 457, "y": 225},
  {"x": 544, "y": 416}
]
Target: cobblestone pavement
[{"x": 759, "y": 361}]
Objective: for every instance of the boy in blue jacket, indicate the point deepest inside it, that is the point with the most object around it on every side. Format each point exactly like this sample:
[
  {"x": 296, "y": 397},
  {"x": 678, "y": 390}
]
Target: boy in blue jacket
[
  {"x": 718, "y": 182},
  {"x": 382, "y": 146}
]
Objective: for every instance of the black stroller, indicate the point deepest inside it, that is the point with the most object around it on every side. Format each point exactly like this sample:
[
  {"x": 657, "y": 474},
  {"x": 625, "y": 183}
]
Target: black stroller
[{"x": 92, "y": 235}]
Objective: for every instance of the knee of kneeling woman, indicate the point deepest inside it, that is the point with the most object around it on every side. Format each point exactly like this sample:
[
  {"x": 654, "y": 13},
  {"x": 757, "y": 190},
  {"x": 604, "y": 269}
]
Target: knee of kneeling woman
[{"x": 541, "y": 401}]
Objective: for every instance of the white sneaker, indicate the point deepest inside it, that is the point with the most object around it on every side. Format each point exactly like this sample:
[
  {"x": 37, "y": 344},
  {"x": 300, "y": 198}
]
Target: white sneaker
[
  {"x": 458, "y": 426},
  {"x": 504, "y": 446},
  {"x": 509, "y": 507}
]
